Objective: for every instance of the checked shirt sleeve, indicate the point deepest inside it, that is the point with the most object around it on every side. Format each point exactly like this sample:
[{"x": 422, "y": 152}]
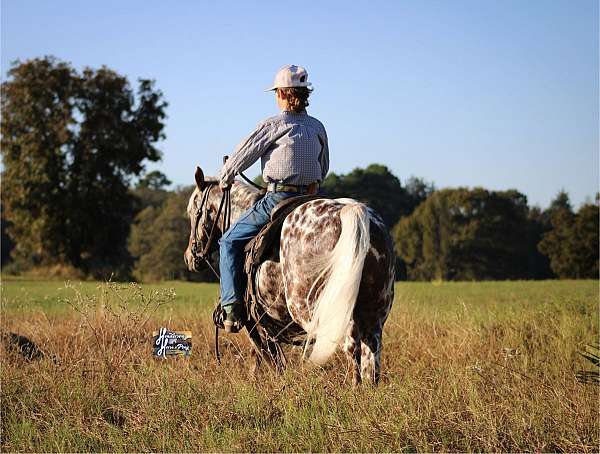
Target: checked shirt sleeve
[
  {"x": 248, "y": 151},
  {"x": 324, "y": 157}
]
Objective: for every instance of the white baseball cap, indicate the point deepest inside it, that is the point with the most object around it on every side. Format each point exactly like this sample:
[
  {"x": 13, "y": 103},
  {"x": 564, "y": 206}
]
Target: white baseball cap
[{"x": 290, "y": 76}]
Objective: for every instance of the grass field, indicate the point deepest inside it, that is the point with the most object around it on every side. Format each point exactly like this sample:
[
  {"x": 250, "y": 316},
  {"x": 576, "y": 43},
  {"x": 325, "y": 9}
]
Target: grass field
[{"x": 466, "y": 367}]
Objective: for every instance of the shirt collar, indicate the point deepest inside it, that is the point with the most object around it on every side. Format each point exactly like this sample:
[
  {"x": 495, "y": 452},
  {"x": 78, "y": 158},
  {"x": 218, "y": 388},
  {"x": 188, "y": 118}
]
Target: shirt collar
[{"x": 290, "y": 112}]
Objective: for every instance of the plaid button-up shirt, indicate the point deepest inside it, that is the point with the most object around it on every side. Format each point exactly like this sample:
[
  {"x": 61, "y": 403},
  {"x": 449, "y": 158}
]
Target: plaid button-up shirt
[{"x": 292, "y": 147}]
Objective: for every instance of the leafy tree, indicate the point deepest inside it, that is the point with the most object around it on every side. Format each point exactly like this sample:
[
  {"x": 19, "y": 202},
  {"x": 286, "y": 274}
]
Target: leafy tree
[
  {"x": 150, "y": 191},
  {"x": 154, "y": 180},
  {"x": 258, "y": 179},
  {"x": 7, "y": 244},
  {"x": 70, "y": 144},
  {"x": 572, "y": 243},
  {"x": 418, "y": 191},
  {"x": 376, "y": 186},
  {"x": 537, "y": 263},
  {"x": 462, "y": 234},
  {"x": 158, "y": 238},
  {"x": 586, "y": 241},
  {"x": 147, "y": 197},
  {"x": 561, "y": 202}
]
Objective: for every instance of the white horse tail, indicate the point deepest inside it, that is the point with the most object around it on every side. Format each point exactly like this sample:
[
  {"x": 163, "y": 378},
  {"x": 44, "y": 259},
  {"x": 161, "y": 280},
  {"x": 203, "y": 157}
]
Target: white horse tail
[{"x": 339, "y": 274}]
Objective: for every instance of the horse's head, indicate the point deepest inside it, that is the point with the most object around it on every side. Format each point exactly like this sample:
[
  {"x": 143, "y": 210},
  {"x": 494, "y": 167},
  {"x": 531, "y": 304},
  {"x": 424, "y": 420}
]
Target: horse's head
[
  {"x": 206, "y": 217},
  {"x": 202, "y": 211}
]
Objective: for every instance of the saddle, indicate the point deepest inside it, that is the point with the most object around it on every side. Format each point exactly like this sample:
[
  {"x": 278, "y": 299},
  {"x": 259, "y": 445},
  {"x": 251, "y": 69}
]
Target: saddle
[{"x": 265, "y": 246}]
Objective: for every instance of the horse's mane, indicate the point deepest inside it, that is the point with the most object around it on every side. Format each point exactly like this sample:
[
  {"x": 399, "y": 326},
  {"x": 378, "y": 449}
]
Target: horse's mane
[{"x": 240, "y": 190}]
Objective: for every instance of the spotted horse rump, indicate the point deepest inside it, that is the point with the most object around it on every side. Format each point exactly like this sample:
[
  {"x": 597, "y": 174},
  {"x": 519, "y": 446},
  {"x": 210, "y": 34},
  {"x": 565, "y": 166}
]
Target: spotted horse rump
[{"x": 333, "y": 284}]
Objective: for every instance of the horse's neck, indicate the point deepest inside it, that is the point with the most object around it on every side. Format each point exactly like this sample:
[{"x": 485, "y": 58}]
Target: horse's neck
[{"x": 243, "y": 197}]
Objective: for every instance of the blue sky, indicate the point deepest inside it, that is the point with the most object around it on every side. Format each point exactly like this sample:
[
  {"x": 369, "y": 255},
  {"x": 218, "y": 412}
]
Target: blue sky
[{"x": 463, "y": 93}]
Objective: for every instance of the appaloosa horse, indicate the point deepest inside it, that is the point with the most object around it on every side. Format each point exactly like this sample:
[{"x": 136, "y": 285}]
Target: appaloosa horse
[{"x": 335, "y": 277}]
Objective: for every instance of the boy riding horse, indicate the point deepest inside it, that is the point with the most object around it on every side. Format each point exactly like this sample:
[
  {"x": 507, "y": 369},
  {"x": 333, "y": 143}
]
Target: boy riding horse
[{"x": 294, "y": 160}]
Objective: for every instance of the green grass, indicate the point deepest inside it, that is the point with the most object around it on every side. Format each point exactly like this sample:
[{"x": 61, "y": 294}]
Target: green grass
[
  {"x": 466, "y": 367},
  {"x": 23, "y": 296}
]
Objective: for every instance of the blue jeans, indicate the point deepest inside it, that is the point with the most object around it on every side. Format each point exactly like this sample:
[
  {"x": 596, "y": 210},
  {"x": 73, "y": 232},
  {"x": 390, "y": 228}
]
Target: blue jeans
[{"x": 232, "y": 243}]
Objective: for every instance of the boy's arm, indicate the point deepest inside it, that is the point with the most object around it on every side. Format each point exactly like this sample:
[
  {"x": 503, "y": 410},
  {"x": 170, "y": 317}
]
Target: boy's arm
[
  {"x": 247, "y": 152},
  {"x": 324, "y": 158}
]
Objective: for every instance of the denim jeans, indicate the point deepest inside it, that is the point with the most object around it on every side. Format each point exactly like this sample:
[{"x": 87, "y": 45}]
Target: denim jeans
[{"x": 232, "y": 243}]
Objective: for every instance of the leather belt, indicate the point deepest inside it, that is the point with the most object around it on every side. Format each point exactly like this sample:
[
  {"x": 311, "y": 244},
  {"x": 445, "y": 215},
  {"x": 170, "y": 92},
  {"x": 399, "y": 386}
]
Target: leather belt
[{"x": 279, "y": 187}]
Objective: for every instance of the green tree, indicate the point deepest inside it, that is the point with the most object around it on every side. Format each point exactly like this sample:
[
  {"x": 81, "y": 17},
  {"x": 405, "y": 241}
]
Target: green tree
[
  {"x": 376, "y": 186},
  {"x": 418, "y": 191},
  {"x": 158, "y": 238},
  {"x": 462, "y": 234},
  {"x": 154, "y": 180},
  {"x": 537, "y": 263},
  {"x": 150, "y": 191},
  {"x": 70, "y": 144},
  {"x": 7, "y": 244},
  {"x": 572, "y": 243},
  {"x": 258, "y": 180}
]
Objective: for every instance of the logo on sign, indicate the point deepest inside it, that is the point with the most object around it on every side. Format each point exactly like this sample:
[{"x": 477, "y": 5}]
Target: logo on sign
[{"x": 172, "y": 343}]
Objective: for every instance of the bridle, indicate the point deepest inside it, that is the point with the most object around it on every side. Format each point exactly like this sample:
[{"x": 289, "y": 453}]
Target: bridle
[{"x": 200, "y": 253}]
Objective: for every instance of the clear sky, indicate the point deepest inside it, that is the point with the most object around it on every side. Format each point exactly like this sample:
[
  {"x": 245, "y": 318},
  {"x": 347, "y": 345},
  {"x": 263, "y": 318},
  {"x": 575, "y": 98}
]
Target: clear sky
[{"x": 500, "y": 94}]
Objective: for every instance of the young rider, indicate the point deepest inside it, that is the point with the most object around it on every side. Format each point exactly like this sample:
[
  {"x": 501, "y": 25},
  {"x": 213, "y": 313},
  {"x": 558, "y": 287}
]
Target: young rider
[{"x": 294, "y": 157}]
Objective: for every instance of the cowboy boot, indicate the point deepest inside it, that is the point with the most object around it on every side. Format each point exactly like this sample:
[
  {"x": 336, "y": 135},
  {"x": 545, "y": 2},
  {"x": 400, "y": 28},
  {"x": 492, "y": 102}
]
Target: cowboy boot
[{"x": 234, "y": 318}]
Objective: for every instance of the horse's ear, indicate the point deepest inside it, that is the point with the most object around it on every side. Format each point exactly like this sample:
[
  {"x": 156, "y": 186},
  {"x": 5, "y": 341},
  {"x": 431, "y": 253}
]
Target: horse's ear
[{"x": 199, "y": 176}]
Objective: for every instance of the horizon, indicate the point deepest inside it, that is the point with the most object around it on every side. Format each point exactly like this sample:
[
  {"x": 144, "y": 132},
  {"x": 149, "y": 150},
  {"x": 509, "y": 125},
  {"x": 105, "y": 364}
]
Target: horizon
[{"x": 469, "y": 94}]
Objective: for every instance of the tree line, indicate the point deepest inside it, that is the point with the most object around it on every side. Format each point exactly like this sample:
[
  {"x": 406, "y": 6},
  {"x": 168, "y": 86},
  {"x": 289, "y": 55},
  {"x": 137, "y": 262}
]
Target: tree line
[{"x": 76, "y": 197}]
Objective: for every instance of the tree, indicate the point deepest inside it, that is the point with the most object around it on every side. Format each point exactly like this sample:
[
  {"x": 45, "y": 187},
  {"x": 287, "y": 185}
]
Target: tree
[
  {"x": 572, "y": 243},
  {"x": 7, "y": 244},
  {"x": 154, "y": 180},
  {"x": 258, "y": 180},
  {"x": 158, "y": 238},
  {"x": 418, "y": 191},
  {"x": 537, "y": 263},
  {"x": 70, "y": 144},
  {"x": 376, "y": 186},
  {"x": 462, "y": 234}
]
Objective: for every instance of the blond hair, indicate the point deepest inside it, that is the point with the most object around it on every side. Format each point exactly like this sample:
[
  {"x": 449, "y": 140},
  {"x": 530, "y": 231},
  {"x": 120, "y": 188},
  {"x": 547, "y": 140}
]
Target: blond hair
[{"x": 295, "y": 97}]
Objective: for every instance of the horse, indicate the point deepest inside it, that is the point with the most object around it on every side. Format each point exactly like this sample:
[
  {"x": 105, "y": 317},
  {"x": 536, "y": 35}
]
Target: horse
[{"x": 334, "y": 282}]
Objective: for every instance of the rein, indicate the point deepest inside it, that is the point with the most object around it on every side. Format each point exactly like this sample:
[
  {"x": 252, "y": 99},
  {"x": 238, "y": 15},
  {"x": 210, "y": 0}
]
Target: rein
[
  {"x": 226, "y": 204},
  {"x": 250, "y": 182},
  {"x": 225, "y": 208}
]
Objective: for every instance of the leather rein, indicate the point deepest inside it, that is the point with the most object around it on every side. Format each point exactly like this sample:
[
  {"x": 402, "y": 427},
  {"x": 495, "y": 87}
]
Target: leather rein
[{"x": 203, "y": 255}]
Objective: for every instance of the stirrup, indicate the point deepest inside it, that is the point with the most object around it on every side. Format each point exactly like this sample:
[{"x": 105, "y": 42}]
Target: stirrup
[
  {"x": 233, "y": 321},
  {"x": 232, "y": 327}
]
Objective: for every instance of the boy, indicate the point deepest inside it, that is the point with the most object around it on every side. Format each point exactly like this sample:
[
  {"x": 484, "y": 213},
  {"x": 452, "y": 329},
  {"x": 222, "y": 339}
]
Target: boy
[{"x": 294, "y": 157}]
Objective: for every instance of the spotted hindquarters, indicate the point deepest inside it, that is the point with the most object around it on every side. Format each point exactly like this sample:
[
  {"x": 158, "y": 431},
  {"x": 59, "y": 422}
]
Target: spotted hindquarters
[
  {"x": 310, "y": 237},
  {"x": 330, "y": 278}
]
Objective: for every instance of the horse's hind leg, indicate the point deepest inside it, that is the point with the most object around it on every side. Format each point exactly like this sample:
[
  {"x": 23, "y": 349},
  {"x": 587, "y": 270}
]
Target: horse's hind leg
[
  {"x": 371, "y": 357},
  {"x": 352, "y": 349}
]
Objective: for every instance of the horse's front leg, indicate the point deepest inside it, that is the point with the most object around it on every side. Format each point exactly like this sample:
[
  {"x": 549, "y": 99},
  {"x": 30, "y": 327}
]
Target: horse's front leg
[
  {"x": 264, "y": 351},
  {"x": 257, "y": 361}
]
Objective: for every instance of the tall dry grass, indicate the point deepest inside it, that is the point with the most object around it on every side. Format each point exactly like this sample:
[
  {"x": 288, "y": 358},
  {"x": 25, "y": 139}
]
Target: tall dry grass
[{"x": 466, "y": 367}]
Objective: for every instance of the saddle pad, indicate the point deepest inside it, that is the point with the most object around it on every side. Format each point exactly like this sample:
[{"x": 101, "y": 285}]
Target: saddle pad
[{"x": 266, "y": 244}]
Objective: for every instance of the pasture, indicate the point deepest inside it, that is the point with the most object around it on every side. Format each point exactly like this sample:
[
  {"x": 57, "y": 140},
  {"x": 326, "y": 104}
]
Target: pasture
[{"x": 466, "y": 367}]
